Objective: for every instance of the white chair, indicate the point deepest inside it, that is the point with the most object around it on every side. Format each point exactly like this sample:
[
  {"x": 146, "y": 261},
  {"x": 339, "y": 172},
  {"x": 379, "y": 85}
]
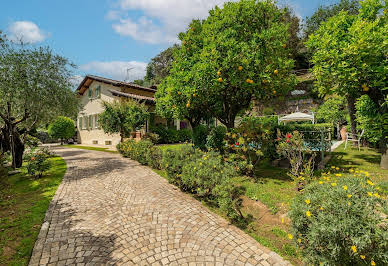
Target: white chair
[{"x": 354, "y": 138}]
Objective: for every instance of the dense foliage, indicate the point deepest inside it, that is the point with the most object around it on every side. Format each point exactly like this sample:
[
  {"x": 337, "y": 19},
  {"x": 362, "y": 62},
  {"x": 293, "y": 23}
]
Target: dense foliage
[
  {"x": 369, "y": 119},
  {"x": 62, "y": 128},
  {"x": 349, "y": 55},
  {"x": 341, "y": 222},
  {"x": 123, "y": 117},
  {"x": 333, "y": 110},
  {"x": 205, "y": 175},
  {"x": 171, "y": 135},
  {"x": 38, "y": 162},
  {"x": 238, "y": 52},
  {"x": 35, "y": 88}
]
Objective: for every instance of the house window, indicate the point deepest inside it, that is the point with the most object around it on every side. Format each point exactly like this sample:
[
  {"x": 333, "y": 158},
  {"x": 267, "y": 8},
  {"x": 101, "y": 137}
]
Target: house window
[
  {"x": 85, "y": 120},
  {"x": 108, "y": 142},
  {"x": 95, "y": 141},
  {"x": 98, "y": 92},
  {"x": 90, "y": 122},
  {"x": 96, "y": 121}
]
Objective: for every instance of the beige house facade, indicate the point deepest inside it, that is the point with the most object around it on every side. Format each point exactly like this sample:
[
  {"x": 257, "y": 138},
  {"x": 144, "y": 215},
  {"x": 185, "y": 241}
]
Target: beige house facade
[{"x": 93, "y": 91}]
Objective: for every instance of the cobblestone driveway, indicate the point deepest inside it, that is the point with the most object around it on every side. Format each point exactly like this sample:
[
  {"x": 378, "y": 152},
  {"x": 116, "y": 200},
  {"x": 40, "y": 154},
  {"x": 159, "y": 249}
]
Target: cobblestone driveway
[{"x": 110, "y": 210}]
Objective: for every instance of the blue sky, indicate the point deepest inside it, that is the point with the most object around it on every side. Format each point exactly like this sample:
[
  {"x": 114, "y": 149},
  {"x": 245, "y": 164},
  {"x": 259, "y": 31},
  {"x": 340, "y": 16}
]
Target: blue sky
[{"x": 105, "y": 37}]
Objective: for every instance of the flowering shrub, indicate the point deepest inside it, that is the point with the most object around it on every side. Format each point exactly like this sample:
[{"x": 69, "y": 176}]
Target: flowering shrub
[
  {"x": 341, "y": 221},
  {"x": 292, "y": 147},
  {"x": 209, "y": 178},
  {"x": 154, "y": 157},
  {"x": 174, "y": 160},
  {"x": 138, "y": 151},
  {"x": 37, "y": 162}
]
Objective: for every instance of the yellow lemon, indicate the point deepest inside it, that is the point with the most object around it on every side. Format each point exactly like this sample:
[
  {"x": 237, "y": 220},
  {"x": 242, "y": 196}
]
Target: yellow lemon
[
  {"x": 220, "y": 80},
  {"x": 188, "y": 105},
  {"x": 276, "y": 72},
  {"x": 219, "y": 73},
  {"x": 179, "y": 93},
  {"x": 240, "y": 68},
  {"x": 274, "y": 92}
]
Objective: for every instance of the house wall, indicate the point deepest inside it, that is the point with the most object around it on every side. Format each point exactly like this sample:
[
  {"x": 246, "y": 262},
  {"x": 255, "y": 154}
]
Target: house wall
[{"x": 94, "y": 107}]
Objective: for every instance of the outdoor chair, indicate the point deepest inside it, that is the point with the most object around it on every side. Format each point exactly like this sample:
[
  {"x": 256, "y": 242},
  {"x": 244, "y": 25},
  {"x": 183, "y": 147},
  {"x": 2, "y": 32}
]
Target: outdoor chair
[{"x": 354, "y": 138}]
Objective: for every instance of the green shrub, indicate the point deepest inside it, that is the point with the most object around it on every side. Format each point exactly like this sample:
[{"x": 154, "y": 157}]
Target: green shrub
[
  {"x": 138, "y": 151},
  {"x": 37, "y": 162},
  {"x": 154, "y": 138},
  {"x": 171, "y": 135},
  {"x": 341, "y": 222},
  {"x": 209, "y": 178},
  {"x": 62, "y": 128},
  {"x": 239, "y": 163},
  {"x": 200, "y": 134},
  {"x": 216, "y": 139},
  {"x": 155, "y": 156},
  {"x": 173, "y": 161}
]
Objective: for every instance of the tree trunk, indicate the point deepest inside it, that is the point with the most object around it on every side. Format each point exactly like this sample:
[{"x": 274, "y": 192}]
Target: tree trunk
[
  {"x": 338, "y": 132},
  {"x": 352, "y": 113},
  {"x": 61, "y": 141},
  {"x": 384, "y": 160}
]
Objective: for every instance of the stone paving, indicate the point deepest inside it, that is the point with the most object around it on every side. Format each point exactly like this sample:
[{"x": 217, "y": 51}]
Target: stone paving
[{"x": 112, "y": 211}]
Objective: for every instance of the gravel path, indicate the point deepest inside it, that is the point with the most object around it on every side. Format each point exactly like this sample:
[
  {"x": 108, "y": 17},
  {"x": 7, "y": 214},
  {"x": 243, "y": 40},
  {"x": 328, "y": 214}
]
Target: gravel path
[{"x": 112, "y": 211}]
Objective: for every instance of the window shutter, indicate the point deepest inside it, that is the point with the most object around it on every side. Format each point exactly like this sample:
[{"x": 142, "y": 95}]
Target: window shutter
[
  {"x": 98, "y": 92},
  {"x": 96, "y": 121},
  {"x": 90, "y": 91},
  {"x": 85, "y": 122},
  {"x": 79, "y": 123},
  {"x": 90, "y": 122}
]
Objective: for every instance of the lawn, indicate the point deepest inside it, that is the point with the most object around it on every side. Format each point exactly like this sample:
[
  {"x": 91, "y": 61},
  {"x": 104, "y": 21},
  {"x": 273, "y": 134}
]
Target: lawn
[
  {"x": 23, "y": 204},
  {"x": 89, "y": 148}
]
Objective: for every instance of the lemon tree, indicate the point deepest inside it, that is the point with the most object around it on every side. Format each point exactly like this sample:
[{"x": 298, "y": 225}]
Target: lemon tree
[
  {"x": 238, "y": 53},
  {"x": 350, "y": 55}
]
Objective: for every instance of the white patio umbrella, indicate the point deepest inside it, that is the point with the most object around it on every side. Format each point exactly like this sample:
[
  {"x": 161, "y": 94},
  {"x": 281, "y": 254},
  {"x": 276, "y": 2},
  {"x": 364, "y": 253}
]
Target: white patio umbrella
[{"x": 297, "y": 116}]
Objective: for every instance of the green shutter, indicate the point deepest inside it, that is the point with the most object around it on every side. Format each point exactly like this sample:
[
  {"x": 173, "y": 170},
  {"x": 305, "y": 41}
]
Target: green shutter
[
  {"x": 80, "y": 123},
  {"x": 90, "y": 92},
  {"x": 98, "y": 92},
  {"x": 90, "y": 122}
]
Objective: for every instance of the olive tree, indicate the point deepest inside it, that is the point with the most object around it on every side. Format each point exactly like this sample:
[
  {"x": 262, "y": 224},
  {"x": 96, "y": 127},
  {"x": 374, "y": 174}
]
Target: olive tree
[
  {"x": 35, "y": 88},
  {"x": 123, "y": 117},
  {"x": 239, "y": 52}
]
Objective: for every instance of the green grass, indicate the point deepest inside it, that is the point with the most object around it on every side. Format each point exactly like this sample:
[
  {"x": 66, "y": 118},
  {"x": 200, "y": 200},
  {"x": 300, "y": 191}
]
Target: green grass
[
  {"x": 23, "y": 204},
  {"x": 89, "y": 148},
  {"x": 367, "y": 160}
]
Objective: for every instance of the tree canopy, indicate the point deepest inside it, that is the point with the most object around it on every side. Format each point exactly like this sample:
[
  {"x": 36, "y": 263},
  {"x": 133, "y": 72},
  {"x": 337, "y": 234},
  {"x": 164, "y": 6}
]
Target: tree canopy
[
  {"x": 62, "y": 128},
  {"x": 237, "y": 53},
  {"x": 349, "y": 55},
  {"x": 323, "y": 13},
  {"x": 35, "y": 88},
  {"x": 123, "y": 117}
]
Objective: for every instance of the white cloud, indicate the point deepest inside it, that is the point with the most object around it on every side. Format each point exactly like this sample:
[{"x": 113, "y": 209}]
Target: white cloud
[
  {"x": 25, "y": 31},
  {"x": 116, "y": 69},
  {"x": 162, "y": 20}
]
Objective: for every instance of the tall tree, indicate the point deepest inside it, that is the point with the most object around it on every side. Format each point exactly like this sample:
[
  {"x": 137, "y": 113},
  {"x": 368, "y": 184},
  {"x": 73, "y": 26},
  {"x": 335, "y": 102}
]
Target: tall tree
[
  {"x": 238, "y": 52},
  {"x": 35, "y": 88},
  {"x": 323, "y": 13},
  {"x": 350, "y": 56},
  {"x": 123, "y": 117},
  {"x": 159, "y": 67}
]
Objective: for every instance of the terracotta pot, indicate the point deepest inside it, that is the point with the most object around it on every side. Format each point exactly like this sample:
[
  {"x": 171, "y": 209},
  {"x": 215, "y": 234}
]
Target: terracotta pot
[{"x": 343, "y": 133}]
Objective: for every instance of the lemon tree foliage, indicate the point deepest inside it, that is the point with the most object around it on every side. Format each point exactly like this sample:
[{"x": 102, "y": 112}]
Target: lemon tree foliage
[
  {"x": 123, "y": 117},
  {"x": 35, "y": 88},
  {"x": 62, "y": 128},
  {"x": 350, "y": 55},
  {"x": 237, "y": 53}
]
